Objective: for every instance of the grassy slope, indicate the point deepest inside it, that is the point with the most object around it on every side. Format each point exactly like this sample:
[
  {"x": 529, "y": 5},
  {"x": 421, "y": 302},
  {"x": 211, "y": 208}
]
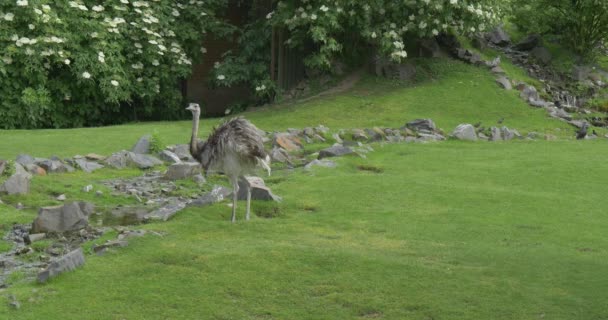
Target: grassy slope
[
  {"x": 454, "y": 94},
  {"x": 446, "y": 231}
]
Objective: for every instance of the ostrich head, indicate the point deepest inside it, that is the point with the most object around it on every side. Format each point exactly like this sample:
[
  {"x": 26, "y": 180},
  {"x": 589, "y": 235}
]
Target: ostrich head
[{"x": 194, "y": 108}]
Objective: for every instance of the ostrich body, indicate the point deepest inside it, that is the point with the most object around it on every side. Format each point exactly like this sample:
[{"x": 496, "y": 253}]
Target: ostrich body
[{"x": 234, "y": 148}]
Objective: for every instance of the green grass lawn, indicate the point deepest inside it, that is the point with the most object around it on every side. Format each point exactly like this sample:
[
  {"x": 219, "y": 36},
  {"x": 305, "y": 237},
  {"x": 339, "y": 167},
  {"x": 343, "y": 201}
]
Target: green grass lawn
[{"x": 448, "y": 230}]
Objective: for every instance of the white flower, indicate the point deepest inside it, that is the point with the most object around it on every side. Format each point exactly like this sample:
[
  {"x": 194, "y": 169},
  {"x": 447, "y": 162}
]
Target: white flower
[
  {"x": 453, "y": 1},
  {"x": 114, "y": 83},
  {"x": 175, "y": 13},
  {"x": 94, "y": 35},
  {"x": 324, "y": 8},
  {"x": 31, "y": 26},
  {"x": 97, "y": 8},
  {"x": 83, "y": 7},
  {"x": 221, "y": 77},
  {"x": 86, "y": 75},
  {"x": 22, "y": 3},
  {"x": 155, "y": 63},
  {"x": 140, "y": 79},
  {"x": 46, "y": 8},
  {"x": 313, "y": 16},
  {"x": 269, "y": 15},
  {"x": 38, "y": 11},
  {"x": 67, "y": 61},
  {"x": 7, "y": 60},
  {"x": 9, "y": 16},
  {"x": 125, "y": 1},
  {"x": 203, "y": 50},
  {"x": 153, "y": 42},
  {"x": 374, "y": 35},
  {"x": 435, "y": 32},
  {"x": 422, "y": 25}
]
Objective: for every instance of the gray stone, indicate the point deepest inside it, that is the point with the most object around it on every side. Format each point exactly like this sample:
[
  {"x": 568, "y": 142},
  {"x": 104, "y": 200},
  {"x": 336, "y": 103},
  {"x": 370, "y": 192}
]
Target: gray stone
[
  {"x": 30, "y": 238},
  {"x": 24, "y": 159},
  {"x": 528, "y": 93},
  {"x": 335, "y": 151},
  {"x": 429, "y": 48},
  {"x": 117, "y": 160},
  {"x": 538, "y": 103},
  {"x": 122, "y": 159},
  {"x": 110, "y": 244},
  {"x": 423, "y": 137},
  {"x": 165, "y": 212},
  {"x": 359, "y": 135},
  {"x": 494, "y": 63},
  {"x": 280, "y": 155},
  {"x": 18, "y": 183},
  {"x": 287, "y": 141},
  {"x": 143, "y": 145},
  {"x": 35, "y": 169},
  {"x": 182, "y": 151},
  {"x": 169, "y": 157},
  {"x": 542, "y": 55},
  {"x": 374, "y": 135},
  {"x": 495, "y": 134},
  {"x": 70, "y": 217},
  {"x": 94, "y": 157},
  {"x": 499, "y": 37},
  {"x": 337, "y": 138},
  {"x": 88, "y": 166},
  {"x": 465, "y": 132},
  {"x": 218, "y": 194},
  {"x": 321, "y": 129},
  {"x": 178, "y": 171},
  {"x": 66, "y": 263},
  {"x": 61, "y": 197},
  {"x": 528, "y": 43},
  {"x": 422, "y": 125},
  {"x": 504, "y": 83},
  {"x": 509, "y": 134},
  {"x": 259, "y": 191},
  {"x": 578, "y": 123},
  {"x": 498, "y": 70},
  {"x": 559, "y": 113},
  {"x": 54, "y": 166},
  {"x": 320, "y": 163}
]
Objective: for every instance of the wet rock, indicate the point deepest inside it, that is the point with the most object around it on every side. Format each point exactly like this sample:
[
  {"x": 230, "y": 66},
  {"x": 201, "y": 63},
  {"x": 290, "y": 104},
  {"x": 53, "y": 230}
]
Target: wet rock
[
  {"x": 88, "y": 166},
  {"x": 142, "y": 146},
  {"x": 259, "y": 191},
  {"x": 320, "y": 163},
  {"x": 70, "y": 217},
  {"x": 66, "y": 263},
  {"x": 422, "y": 125},
  {"x": 504, "y": 83},
  {"x": 288, "y": 142},
  {"x": 169, "y": 157},
  {"x": 528, "y": 43},
  {"x": 465, "y": 132},
  {"x": 178, "y": 171},
  {"x": 335, "y": 151},
  {"x": 218, "y": 194}
]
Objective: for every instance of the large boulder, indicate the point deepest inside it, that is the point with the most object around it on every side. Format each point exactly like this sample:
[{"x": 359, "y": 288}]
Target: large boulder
[
  {"x": 335, "y": 151},
  {"x": 320, "y": 163},
  {"x": 18, "y": 183},
  {"x": 68, "y": 262},
  {"x": 259, "y": 191},
  {"x": 69, "y": 217},
  {"x": 465, "y": 132},
  {"x": 143, "y": 145},
  {"x": 499, "y": 37},
  {"x": 422, "y": 125},
  {"x": 185, "y": 170}
]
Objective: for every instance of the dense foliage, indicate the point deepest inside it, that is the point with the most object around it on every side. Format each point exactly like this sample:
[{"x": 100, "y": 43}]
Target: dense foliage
[
  {"x": 582, "y": 24},
  {"x": 76, "y": 63}
]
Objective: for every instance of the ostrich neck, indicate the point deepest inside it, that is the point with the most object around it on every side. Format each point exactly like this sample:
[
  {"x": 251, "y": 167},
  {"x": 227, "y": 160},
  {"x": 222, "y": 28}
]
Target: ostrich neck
[{"x": 193, "y": 142}]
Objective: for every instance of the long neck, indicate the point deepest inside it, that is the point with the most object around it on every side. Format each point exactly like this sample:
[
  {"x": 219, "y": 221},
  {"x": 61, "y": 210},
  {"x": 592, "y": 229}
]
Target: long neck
[{"x": 193, "y": 141}]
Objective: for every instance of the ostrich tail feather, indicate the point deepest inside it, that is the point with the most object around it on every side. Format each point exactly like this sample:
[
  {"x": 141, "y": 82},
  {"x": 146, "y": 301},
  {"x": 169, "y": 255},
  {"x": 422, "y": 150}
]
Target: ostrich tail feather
[{"x": 265, "y": 163}]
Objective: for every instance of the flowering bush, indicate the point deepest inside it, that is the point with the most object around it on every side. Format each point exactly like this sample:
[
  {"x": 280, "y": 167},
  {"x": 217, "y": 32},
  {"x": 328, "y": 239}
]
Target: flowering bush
[{"x": 76, "y": 63}]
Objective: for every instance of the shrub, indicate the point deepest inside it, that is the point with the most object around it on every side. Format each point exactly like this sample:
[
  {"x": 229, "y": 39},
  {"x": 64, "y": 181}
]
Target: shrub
[{"x": 81, "y": 63}]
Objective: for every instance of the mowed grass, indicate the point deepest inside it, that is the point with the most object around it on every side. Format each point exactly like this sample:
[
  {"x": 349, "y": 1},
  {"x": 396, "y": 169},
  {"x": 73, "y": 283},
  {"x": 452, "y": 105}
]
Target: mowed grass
[
  {"x": 449, "y": 92},
  {"x": 443, "y": 231}
]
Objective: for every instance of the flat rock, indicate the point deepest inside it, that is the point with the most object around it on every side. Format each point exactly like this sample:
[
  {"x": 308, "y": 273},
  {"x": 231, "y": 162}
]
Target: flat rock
[
  {"x": 185, "y": 170},
  {"x": 287, "y": 141},
  {"x": 66, "y": 263},
  {"x": 422, "y": 125},
  {"x": 259, "y": 191},
  {"x": 69, "y": 217},
  {"x": 334, "y": 151},
  {"x": 218, "y": 194},
  {"x": 165, "y": 212},
  {"x": 110, "y": 244},
  {"x": 122, "y": 159},
  {"x": 35, "y": 169},
  {"x": 24, "y": 159},
  {"x": 278, "y": 154},
  {"x": 143, "y": 145},
  {"x": 509, "y": 134},
  {"x": 94, "y": 157},
  {"x": 504, "y": 83},
  {"x": 465, "y": 132},
  {"x": 54, "y": 166},
  {"x": 88, "y": 166},
  {"x": 169, "y": 157},
  {"x": 320, "y": 163}
]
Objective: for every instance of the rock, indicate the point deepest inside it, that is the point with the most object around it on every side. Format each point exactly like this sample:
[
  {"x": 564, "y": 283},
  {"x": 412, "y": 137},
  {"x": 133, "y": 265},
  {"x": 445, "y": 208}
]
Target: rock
[
  {"x": 528, "y": 93},
  {"x": 581, "y": 73},
  {"x": 61, "y": 197},
  {"x": 429, "y": 137},
  {"x": 337, "y": 138},
  {"x": 54, "y": 166},
  {"x": 87, "y": 188},
  {"x": 321, "y": 129},
  {"x": 143, "y": 145},
  {"x": 69, "y": 217},
  {"x": 165, "y": 212},
  {"x": 465, "y": 132},
  {"x": 559, "y": 113},
  {"x": 550, "y": 137},
  {"x": 499, "y": 37},
  {"x": 218, "y": 194},
  {"x": 88, "y": 166},
  {"x": 532, "y": 135},
  {"x": 35, "y": 169},
  {"x": 110, "y": 244},
  {"x": 30, "y": 238},
  {"x": 117, "y": 160},
  {"x": 309, "y": 132},
  {"x": 178, "y": 171},
  {"x": 540, "y": 103},
  {"x": 509, "y": 134},
  {"x": 98, "y": 193},
  {"x": 528, "y": 43},
  {"x": 429, "y": 48},
  {"x": 504, "y": 83},
  {"x": 24, "y": 159},
  {"x": 359, "y": 135},
  {"x": 287, "y": 141},
  {"x": 122, "y": 159},
  {"x": 259, "y": 191},
  {"x": 375, "y": 134},
  {"x": 495, "y": 134},
  {"x": 578, "y": 123},
  {"x": 94, "y": 157},
  {"x": 542, "y": 55},
  {"x": 18, "y": 183},
  {"x": 494, "y": 63},
  {"x": 422, "y": 125},
  {"x": 335, "y": 151},
  {"x": 66, "y": 263},
  {"x": 479, "y": 42},
  {"x": 199, "y": 179},
  {"x": 169, "y": 157},
  {"x": 320, "y": 163},
  {"x": 498, "y": 70},
  {"x": 182, "y": 151},
  {"x": 280, "y": 155}
]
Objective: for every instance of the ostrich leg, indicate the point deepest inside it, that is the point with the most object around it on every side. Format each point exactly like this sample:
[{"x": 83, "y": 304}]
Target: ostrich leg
[
  {"x": 235, "y": 192},
  {"x": 248, "y": 200}
]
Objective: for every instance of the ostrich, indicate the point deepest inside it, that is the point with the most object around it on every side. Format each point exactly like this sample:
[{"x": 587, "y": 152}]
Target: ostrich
[{"x": 235, "y": 148}]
